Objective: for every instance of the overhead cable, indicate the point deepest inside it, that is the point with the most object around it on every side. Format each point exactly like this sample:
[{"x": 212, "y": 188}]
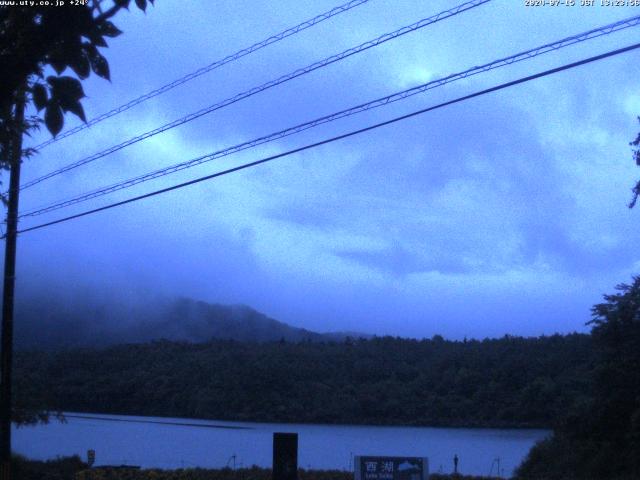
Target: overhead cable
[
  {"x": 549, "y": 47},
  {"x": 339, "y": 137},
  {"x": 212, "y": 66},
  {"x": 253, "y": 91}
]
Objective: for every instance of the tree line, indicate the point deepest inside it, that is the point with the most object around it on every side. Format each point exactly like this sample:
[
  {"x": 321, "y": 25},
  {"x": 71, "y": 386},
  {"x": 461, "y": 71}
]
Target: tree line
[{"x": 506, "y": 382}]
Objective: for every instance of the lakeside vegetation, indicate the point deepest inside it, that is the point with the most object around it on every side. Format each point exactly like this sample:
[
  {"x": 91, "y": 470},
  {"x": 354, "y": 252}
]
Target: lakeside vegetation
[
  {"x": 253, "y": 473},
  {"x": 72, "y": 468},
  {"x": 506, "y": 382}
]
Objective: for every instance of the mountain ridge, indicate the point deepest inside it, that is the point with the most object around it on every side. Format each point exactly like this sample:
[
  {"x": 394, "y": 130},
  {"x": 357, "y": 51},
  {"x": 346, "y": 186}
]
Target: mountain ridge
[{"x": 46, "y": 326}]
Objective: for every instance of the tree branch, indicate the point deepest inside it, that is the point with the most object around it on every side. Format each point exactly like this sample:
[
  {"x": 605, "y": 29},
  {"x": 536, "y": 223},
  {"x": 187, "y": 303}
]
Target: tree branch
[{"x": 108, "y": 14}]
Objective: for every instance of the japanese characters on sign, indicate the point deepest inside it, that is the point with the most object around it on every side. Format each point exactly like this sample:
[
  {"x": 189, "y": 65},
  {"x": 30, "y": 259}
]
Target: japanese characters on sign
[{"x": 391, "y": 468}]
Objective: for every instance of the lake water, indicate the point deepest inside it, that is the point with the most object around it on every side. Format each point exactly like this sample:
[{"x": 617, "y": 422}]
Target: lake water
[{"x": 174, "y": 443}]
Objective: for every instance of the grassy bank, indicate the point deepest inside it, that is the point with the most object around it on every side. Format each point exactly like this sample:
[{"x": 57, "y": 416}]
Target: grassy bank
[
  {"x": 72, "y": 468},
  {"x": 254, "y": 473}
]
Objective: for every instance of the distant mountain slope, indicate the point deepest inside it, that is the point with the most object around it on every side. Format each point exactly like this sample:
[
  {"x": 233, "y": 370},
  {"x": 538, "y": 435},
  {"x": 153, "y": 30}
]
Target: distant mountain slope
[
  {"x": 47, "y": 326},
  {"x": 196, "y": 321}
]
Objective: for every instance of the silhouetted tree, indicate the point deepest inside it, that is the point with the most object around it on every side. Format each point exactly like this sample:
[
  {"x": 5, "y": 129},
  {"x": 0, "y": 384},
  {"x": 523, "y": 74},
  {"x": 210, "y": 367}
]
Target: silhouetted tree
[
  {"x": 32, "y": 38},
  {"x": 617, "y": 401},
  {"x": 601, "y": 438},
  {"x": 636, "y": 157}
]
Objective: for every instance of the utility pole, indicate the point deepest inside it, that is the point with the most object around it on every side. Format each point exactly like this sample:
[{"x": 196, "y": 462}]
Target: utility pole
[{"x": 6, "y": 356}]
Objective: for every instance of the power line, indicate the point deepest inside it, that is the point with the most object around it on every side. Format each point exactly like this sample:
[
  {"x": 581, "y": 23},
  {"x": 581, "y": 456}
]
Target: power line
[
  {"x": 340, "y": 137},
  {"x": 285, "y": 78},
  {"x": 212, "y": 66},
  {"x": 549, "y": 47}
]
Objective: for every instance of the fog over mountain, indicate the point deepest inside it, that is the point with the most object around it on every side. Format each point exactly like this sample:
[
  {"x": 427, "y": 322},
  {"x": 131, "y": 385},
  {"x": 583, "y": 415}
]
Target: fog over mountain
[{"x": 47, "y": 324}]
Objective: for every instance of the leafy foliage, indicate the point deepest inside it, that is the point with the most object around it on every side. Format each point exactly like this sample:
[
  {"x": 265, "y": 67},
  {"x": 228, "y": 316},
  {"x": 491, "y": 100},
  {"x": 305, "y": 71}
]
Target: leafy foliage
[
  {"x": 503, "y": 382},
  {"x": 602, "y": 438},
  {"x": 38, "y": 36},
  {"x": 636, "y": 157}
]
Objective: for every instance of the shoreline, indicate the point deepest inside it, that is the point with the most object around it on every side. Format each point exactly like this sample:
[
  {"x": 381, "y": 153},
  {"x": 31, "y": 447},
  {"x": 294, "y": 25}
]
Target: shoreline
[{"x": 185, "y": 421}]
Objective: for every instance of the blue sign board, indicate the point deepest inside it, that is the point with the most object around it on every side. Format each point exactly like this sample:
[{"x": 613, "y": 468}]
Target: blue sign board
[{"x": 391, "y": 468}]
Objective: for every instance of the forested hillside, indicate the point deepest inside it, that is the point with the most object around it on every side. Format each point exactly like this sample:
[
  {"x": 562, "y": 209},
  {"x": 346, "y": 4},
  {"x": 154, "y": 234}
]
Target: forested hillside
[{"x": 501, "y": 382}]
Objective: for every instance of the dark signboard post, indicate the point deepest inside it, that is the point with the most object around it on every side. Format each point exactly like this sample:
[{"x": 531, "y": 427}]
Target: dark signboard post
[
  {"x": 285, "y": 456},
  {"x": 391, "y": 468},
  {"x": 91, "y": 457}
]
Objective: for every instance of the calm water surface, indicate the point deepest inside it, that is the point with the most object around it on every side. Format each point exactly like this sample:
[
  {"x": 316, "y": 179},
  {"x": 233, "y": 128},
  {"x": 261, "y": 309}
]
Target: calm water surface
[{"x": 174, "y": 443}]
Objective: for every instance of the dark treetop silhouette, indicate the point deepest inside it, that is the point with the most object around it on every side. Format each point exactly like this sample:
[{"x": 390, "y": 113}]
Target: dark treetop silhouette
[{"x": 33, "y": 38}]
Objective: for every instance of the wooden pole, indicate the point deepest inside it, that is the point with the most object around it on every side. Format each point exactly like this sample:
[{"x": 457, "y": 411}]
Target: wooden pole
[{"x": 6, "y": 355}]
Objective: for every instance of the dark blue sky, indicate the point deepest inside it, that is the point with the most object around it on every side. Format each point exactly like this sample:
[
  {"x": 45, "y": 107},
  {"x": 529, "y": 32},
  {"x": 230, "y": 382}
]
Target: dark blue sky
[{"x": 503, "y": 214}]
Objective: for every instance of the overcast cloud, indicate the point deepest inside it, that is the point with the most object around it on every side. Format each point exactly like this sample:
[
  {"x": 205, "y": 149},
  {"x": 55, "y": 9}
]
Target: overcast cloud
[{"x": 505, "y": 214}]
